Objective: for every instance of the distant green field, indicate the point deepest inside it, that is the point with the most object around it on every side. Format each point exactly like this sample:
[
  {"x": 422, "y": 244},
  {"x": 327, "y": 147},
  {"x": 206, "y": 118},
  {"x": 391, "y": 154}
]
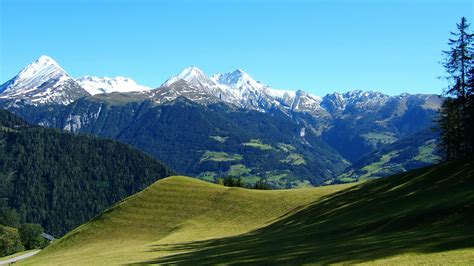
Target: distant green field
[
  {"x": 208, "y": 176},
  {"x": 389, "y": 163},
  {"x": 420, "y": 217},
  {"x": 238, "y": 170},
  {"x": 379, "y": 137},
  {"x": 286, "y": 147},
  {"x": 219, "y": 138},
  {"x": 376, "y": 167},
  {"x": 220, "y": 156},
  {"x": 294, "y": 159},
  {"x": 258, "y": 144},
  {"x": 426, "y": 153}
]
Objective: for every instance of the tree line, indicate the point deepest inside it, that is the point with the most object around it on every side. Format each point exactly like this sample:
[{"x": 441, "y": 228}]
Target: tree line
[
  {"x": 238, "y": 182},
  {"x": 457, "y": 112}
]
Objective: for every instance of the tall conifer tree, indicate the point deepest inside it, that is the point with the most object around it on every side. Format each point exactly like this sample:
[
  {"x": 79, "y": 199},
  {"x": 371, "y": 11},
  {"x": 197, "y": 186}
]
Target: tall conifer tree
[{"x": 455, "y": 116}]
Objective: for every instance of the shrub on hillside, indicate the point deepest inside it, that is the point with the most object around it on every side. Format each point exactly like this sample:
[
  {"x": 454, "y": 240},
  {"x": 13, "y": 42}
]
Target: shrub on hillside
[{"x": 9, "y": 241}]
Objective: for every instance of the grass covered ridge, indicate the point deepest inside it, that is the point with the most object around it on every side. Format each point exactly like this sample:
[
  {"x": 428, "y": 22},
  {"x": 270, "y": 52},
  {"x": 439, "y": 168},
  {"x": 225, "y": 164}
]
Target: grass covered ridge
[
  {"x": 172, "y": 211},
  {"x": 425, "y": 215}
]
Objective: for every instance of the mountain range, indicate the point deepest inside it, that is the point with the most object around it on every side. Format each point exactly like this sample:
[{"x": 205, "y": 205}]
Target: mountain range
[{"x": 228, "y": 124}]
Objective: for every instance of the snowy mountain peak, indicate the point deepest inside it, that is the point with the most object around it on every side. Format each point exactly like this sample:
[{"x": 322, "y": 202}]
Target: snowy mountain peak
[
  {"x": 191, "y": 71},
  {"x": 42, "y": 81},
  {"x": 42, "y": 69},
  {"x": 193, "y": 76},
  {"x": 46, "y": 59},
  {"x": 237, "y": 79},
  {"x": 240, "y": 74},
  {"x": 96, "y": 85}
]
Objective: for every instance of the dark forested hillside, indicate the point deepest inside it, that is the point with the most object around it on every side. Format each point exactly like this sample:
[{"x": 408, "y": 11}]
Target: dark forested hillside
[
  {"x": 61, "y": 180},
  {"x": 206, "y": 141}
]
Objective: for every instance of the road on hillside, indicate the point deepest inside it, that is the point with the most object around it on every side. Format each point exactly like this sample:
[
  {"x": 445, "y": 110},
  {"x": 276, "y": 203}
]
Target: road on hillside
[{"x": 15, "y": 259}]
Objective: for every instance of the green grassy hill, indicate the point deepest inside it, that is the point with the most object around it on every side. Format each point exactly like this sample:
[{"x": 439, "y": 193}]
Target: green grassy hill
[{"x": 424, "y": 216}]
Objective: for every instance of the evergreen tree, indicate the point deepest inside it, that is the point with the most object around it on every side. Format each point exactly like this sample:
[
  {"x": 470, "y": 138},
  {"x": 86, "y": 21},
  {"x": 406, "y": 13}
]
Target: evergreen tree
[
  {"x": 449, "y": 125},
  {"x": 455, "y": 115},
  {"x": 470, "y": 108}
]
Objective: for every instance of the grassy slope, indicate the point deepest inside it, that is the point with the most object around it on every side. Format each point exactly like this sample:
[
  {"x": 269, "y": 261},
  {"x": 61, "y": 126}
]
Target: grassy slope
[
  {"x": 423, "y": 216},
  {"x": 172, "y": 211}
]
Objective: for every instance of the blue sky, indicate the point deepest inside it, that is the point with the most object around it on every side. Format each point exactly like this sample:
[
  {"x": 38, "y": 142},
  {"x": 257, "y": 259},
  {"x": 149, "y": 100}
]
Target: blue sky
[{"x": 318, "y": 46}]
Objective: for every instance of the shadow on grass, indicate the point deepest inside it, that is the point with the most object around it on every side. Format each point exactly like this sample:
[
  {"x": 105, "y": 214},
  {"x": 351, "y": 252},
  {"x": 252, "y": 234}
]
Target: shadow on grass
[{"x": 425, "y": 211}]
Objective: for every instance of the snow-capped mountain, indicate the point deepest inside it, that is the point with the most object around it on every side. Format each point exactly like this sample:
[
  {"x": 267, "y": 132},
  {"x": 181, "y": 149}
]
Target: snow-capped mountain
[
  {"x": 238, "y": 88},
  {"x": 42, "y": 82},
  {"x": 238, "y": 80},
  {"x": 355, "y": 100},
  {"x": 45, "y": 82},
  {"x": 183, "y": 88},
  {"x": 192, "y": 75},
  {"x": 96, "y": 85},
  {"x": 193, "y": 84},
  {"x": 305, "y": 102},
  {"x": 244, "y": 90}
]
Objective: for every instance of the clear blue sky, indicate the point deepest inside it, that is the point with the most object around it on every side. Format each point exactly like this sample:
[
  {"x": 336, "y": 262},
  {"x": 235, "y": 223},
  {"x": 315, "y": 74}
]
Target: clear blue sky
[{"x": 317, "y": 46}]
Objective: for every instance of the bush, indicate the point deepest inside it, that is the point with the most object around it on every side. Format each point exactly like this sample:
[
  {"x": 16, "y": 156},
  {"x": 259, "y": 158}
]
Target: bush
[
  {"x": 261, "y": 184},
  {"x": 30, "y": 235},
  {"x": 233, "y": 182},
  {"x": 9, "y": 241}
]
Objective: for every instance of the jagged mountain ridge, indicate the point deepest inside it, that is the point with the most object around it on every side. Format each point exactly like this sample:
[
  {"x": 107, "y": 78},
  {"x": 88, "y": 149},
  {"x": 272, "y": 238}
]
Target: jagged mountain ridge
[
  {"x": 45, "y": 82},
  {"x": 240, "y": 89}
]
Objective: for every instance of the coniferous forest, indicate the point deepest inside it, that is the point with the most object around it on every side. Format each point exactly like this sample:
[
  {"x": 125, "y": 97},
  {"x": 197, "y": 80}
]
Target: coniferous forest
[{"x": 61, "y": 180}]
